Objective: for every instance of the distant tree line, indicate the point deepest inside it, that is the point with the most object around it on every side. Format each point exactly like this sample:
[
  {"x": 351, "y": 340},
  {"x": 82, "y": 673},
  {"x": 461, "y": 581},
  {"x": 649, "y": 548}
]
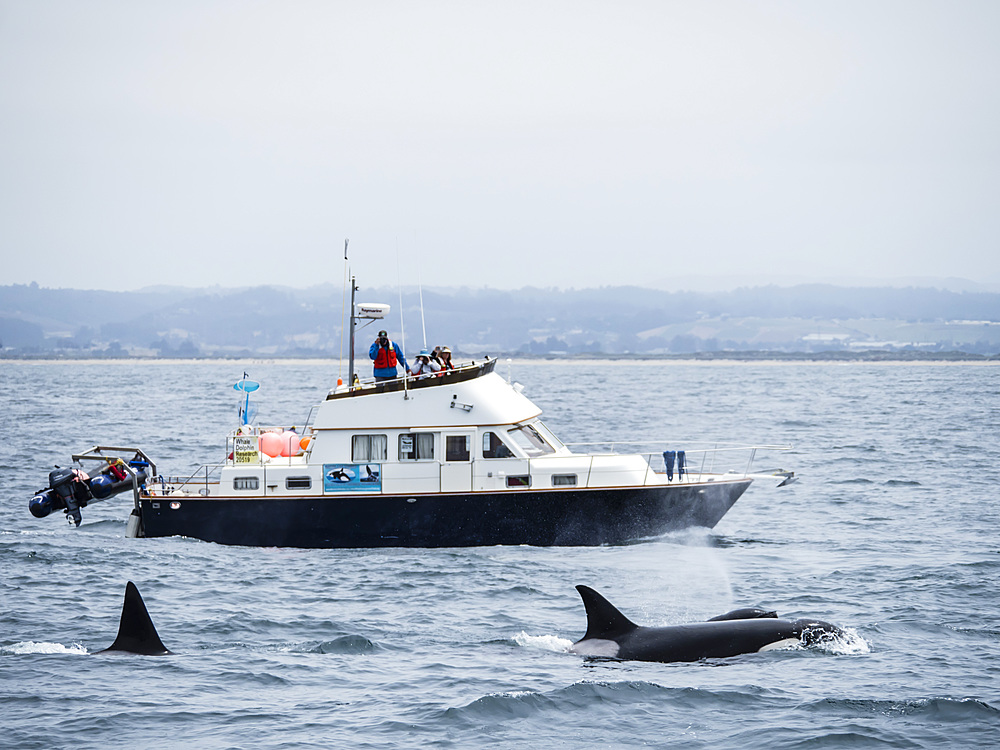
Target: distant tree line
[{"x": 273, "y": 321}]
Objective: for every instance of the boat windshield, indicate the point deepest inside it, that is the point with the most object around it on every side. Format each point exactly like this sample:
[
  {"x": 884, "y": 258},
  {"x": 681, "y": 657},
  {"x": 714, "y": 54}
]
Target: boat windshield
[
  {"x": 530, "y": 441},
  {"x": 548, "y": 435}
]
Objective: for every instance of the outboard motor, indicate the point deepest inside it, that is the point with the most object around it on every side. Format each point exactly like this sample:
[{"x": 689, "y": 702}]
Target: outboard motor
[{"x": 70, "y": 490}]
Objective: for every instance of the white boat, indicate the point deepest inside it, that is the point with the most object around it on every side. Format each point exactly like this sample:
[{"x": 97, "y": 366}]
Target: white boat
[{"x": 457, "y": 460}]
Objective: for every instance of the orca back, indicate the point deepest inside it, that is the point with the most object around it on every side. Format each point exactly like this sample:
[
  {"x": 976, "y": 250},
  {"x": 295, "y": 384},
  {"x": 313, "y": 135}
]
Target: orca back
[{"x": 706, "y": 640}]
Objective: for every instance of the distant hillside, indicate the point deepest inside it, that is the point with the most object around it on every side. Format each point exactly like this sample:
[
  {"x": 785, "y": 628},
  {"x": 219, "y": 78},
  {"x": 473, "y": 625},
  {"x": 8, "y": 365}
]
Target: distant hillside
[{"x": 272, "y": 321}]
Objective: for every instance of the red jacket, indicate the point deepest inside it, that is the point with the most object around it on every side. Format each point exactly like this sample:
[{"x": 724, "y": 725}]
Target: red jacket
[{"x": 385, "y": 357}]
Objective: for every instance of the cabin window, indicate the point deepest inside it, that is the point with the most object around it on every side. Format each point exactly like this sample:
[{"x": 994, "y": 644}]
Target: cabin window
[
  {"x": 564, "y": 480},
  {"x": 366, "y": 448},
  {"x": 521, "y": 480},
  {"x": 246, "y": 483},
  {"x": 298, "y": 483},
  {"x": 494, "y": 447},
  {"x": 456, "y": 448},
  {"x": 530, "y": 441},
  {"x": 416, "y": 446}
]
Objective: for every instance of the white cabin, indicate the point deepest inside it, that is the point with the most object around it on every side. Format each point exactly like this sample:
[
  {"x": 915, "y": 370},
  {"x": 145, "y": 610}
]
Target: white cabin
[{"x": 469, "y": 431}]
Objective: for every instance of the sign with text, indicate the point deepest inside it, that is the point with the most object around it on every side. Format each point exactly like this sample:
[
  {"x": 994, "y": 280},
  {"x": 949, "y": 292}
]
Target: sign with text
[{"x": 245, "y": 450}]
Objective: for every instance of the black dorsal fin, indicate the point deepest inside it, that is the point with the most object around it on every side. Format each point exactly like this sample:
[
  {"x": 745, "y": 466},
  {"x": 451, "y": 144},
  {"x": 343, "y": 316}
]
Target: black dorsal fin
[
  {"x": 604, "y": 621},
  {"x": 136, "y": 634},
  {"x": 748, "y": 613}
]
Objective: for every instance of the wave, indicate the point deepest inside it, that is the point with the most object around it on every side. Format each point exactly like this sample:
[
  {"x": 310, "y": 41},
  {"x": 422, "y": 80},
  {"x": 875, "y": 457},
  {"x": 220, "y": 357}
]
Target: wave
[
  {"x": 724, "y": 542},
  {"x": 939, "y": 709},
  {"x": 848, "y": 643},
  {"x": 526, "y": 703},
  {"x": 34, "y": 647},
  {"x": 346, "y": 644},
  {"x": 542, "y": 642}
]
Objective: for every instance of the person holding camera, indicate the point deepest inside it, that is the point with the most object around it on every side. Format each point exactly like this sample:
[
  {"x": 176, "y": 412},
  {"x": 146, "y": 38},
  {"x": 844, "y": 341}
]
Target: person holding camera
[{"x": 386, "y": 355}]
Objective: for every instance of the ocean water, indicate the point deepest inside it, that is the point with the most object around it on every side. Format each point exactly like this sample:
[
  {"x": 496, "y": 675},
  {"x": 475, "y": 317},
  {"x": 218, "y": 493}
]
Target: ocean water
[{"x": 891, "y": 533}]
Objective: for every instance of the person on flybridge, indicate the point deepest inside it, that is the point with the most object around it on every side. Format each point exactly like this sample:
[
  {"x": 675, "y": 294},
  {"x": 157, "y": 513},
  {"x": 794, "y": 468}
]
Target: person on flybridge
[
  {"x": 386, "y": 355},
  {"x": 425, "y": 366}
]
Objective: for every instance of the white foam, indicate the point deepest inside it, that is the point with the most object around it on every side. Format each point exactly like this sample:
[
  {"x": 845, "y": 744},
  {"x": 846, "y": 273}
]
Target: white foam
[
  {"x": 850, "y": 642},
  {"x": 543, "y": 642},
  {"x": 31, "y": 647}
]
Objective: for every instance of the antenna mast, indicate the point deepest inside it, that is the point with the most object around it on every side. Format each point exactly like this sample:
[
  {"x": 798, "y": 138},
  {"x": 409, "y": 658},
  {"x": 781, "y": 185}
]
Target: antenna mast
[
  {"x": 343, "y": 301},
  {"x": 350, "y": 367}
]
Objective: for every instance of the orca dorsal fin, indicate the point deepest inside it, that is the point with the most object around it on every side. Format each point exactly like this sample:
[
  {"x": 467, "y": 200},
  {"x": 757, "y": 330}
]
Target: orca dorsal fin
[
  {"x": 604, "y": 621},
  {"x": 747, "y": 613},
  {"x": 136, "y": 634}
]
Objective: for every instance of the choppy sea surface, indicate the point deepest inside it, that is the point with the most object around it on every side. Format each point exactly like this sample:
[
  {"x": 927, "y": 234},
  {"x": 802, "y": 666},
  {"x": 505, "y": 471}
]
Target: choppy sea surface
[{"x": 891, "y": 533}]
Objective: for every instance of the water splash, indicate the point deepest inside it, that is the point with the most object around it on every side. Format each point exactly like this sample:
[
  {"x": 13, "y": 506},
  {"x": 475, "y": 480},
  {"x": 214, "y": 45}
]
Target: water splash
[
  {"x": 848, "y": 643},
  {"x": 33, "y": 647},
  {"x": 543, "y": 642}
]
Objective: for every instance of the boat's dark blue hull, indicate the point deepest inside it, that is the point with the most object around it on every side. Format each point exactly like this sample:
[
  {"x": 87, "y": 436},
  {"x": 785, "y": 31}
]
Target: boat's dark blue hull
[{"x": 569, "y": 517}]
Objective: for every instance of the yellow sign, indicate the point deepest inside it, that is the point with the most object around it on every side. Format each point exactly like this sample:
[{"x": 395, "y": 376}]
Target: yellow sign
[{"x": 245, "y": 450}]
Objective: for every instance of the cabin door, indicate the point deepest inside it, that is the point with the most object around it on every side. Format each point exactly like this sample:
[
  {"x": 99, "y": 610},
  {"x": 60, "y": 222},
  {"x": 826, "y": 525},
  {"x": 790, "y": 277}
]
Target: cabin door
[{"x": 456, "y": 469}]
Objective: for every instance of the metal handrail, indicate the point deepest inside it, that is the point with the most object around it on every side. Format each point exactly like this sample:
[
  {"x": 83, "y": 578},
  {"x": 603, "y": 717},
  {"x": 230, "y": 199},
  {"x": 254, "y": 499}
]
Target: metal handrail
[
  {"x": 719, "y": 447},
  {"x": 96, "y": 454},
  {"x": 184, "y": 482},
  {"x": 651, "y": 456}
]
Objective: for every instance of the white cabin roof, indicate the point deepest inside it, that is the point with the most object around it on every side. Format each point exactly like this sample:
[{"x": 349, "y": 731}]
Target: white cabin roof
[{"x": 483, "y": 400}]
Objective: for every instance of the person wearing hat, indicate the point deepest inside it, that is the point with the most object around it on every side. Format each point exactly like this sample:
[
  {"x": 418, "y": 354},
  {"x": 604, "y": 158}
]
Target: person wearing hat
[
  {"x": 425, "y": 367},
  {"x": 386, "y": 355},
  {"x": 444, "y": 357}
]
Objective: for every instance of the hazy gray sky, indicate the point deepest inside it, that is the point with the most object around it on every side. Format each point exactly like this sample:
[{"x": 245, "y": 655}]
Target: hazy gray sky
[{"x": 497, "y": 143}]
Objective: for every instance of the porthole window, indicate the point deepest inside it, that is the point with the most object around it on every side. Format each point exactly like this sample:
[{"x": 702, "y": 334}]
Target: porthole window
[
  {"x": 246, "y": 483},
  {"x": 564, "y": 480},
  {"x": 298, "y": 483}
]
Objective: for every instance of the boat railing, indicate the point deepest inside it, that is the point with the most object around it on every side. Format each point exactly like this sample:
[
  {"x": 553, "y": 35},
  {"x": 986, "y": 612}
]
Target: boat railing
[
  {"x": 699, "y": 458},
  {"x": 368, "y": 386},
  {"x": 200, "y": 479}
]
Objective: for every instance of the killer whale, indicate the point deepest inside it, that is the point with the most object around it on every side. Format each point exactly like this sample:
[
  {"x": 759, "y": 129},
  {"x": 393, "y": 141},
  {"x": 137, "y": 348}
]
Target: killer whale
[
  {"x": 136, "y": 633},
  {"x": 610, "y": 634}
]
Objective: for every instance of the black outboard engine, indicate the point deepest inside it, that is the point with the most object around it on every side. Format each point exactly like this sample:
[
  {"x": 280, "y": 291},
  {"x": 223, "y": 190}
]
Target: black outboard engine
[{"x": 69, "y": 491}]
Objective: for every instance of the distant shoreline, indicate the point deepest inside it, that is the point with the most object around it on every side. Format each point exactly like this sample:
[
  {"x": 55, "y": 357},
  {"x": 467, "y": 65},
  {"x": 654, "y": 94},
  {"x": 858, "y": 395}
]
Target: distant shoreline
[{"x": 762, "y": 357}]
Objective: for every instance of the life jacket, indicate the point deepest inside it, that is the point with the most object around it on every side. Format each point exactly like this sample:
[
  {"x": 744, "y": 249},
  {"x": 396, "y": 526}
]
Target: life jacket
[{"x": 385, "y": 357}]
